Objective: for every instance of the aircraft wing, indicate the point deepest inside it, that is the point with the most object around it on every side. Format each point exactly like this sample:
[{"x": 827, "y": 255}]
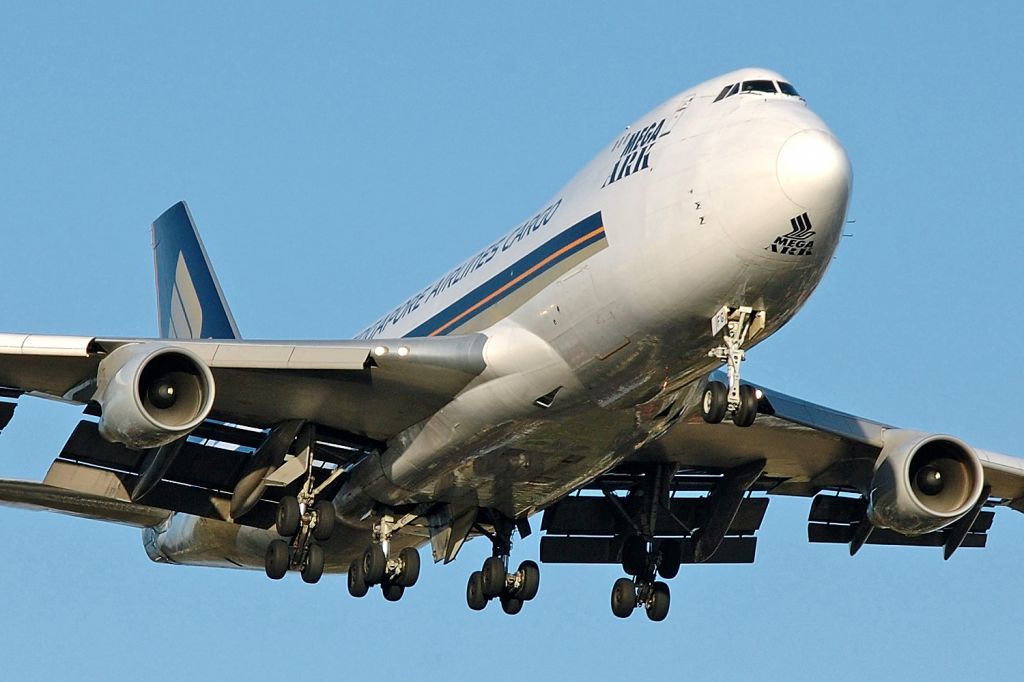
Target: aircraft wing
[
  {"x": 373, "y": 389},
  {"x": 807, "y": 448},
  {"x": 712, "y": 480},
  {"x": 354, "y": 395}
]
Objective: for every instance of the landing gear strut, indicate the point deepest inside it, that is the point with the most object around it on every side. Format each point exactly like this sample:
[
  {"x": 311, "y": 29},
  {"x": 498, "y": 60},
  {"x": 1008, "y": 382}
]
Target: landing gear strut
[
  {"x": 376, "y": 567},
  {"x": 304, "y": 522},
  {"x": 645, "y": 558},
  {"x": 740, "y": 400},
  {"x": 495, "y": 581}
]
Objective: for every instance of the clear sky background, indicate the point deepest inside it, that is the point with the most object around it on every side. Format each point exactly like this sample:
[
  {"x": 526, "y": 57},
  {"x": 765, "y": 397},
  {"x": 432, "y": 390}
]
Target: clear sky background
[{"x": 337, "y": 157}]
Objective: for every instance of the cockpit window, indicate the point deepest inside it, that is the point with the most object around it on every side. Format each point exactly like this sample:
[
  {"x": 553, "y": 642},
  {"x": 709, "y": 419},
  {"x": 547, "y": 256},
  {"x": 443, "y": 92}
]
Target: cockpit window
[
  {"x": 765, "y": 86},
  {"x": 788, "y": 89},
  {"x": 759, "y": 86}
]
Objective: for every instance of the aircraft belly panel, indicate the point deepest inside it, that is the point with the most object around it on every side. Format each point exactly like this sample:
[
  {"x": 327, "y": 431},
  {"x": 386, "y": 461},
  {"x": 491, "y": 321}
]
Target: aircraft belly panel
[{"x": 529, "y": 464}]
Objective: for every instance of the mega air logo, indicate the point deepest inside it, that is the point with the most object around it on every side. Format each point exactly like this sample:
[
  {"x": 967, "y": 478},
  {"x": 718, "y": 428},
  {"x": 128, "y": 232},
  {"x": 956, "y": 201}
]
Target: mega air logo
[
  {"x": 796, "y": 242},
  {"x": 636, "y": 152}
]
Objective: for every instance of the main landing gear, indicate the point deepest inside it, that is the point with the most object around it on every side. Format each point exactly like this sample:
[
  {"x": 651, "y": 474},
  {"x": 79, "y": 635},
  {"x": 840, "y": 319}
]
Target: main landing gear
[
  {"x": 645, "y": 558},
  {"x": 739, "y": 400},
  {"x": 645, "y": 562},
  {"x": 495, "y": 581},
  {"x": 376, "y": 567},
  {"x": 305, "y": 523}
]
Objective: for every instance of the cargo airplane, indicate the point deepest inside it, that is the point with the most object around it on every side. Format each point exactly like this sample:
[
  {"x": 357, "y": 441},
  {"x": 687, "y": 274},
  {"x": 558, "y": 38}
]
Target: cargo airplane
[{"x": 584, "y": 366}]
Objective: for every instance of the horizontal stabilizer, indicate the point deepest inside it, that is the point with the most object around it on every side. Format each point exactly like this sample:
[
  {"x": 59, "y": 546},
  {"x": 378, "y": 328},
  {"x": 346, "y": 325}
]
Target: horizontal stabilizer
[{"x": 41, "y": 497}]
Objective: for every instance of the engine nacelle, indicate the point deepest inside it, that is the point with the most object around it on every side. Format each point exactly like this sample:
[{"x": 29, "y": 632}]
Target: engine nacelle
[
  {"x": 151, "y": 394},
  {"x": 923, "y": 482}
]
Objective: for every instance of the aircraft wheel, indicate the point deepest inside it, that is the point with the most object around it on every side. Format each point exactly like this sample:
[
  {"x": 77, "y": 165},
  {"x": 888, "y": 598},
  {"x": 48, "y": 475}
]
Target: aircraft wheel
[
  {"x": 313, "y": 569},
  {"x": 392, "y": 591},
  {"x": 325, "y": 520},
  {"x": 276, "y": 559},
  {"x": 530, "y": 572},
  {"x": 746, "y": 413},
  {"x": 374, "y": 564},
  {"x": 475, "y": 592},
  {"x": 671, "y": 558},
  {"x": 657, "y": 607},
  {"x": 634, "y": 555},
  {"x": 357, "y": 586},
  {"x": 511, "y": 605},
  {"x": 715, "y": 402},
  {"x": 288, "y": 516},
  {"x": 623, "y": 597},
  {"x": 493, "y": 576},
  {"x": 410, "y": 560}
]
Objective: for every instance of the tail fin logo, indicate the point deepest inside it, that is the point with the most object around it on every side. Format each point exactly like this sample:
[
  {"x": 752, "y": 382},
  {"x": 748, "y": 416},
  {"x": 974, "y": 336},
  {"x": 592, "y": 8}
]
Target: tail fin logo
[
  {"x": 186, "y": 310},
  {"x": 190, "y": 303}
]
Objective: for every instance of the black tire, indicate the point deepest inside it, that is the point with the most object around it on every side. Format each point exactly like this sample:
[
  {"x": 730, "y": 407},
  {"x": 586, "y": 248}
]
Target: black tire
[
  {"x": 277, "y": 559},
  {"x": 623, "y": 597},
  {"x": 714, "y": 402},
  {"x": 657, "y": 608},
  {"x": 671, "y": 558},
  {"x": 493, "y": 577},
  {"x": 374, "y": 565},
  {"x": 325, "y": 520},
  {"x": 289, "y": 517},
  {"x": 511, "y": 605},
  {"x": 475, "y": 592},
  {"x": 530, "y": 572},
  {"x": 392, "y": 591},
  {"x": 357, "y": 586},
  {"x": 746, "y": 413},
  {"x": 634, "y": 555},
  {"x": 410, "y": 560},
  {"x": 313, "y": 569}
]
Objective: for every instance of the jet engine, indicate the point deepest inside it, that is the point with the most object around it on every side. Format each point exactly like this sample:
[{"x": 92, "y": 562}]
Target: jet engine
[
  {"x": 151, "y": 394},
  {"x": 923, "y": 482}
]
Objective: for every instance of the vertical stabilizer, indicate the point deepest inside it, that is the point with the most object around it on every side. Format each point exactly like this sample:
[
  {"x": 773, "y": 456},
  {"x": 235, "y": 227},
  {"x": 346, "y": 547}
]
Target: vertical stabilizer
[{"x": 190, "y": 303}]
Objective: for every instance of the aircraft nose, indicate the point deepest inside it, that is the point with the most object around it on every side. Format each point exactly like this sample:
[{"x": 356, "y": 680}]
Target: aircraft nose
[{"x": 813, "y": 170}]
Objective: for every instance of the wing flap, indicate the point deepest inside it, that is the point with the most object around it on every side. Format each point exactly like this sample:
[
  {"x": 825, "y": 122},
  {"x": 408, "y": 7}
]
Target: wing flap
[{"x": 596, "y": 550}]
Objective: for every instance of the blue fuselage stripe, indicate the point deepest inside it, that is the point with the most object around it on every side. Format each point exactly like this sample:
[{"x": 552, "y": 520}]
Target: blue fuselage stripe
[{"x": 588, "y": 231}]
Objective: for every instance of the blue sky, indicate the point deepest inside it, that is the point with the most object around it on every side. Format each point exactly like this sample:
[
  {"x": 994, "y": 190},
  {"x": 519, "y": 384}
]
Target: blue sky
[{"x": 337, "y": 157}]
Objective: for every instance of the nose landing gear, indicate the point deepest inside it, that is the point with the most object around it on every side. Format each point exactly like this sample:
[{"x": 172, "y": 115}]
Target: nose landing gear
[{"x": 740, "y": 400}]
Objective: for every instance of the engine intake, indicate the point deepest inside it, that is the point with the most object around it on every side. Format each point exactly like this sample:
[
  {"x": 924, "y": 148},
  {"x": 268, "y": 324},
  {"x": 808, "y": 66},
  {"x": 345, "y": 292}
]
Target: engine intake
[
  {"x": 152, "y": 394},
  {"x": 923, "y": 482}
]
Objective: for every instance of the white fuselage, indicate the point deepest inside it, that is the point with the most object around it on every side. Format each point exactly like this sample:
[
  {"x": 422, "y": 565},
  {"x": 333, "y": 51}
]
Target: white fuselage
[{"x": 602, "y": 300}]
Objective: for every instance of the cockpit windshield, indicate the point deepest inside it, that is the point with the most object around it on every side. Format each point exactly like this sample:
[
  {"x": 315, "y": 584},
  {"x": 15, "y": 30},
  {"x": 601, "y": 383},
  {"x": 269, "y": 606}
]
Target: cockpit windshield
[
  {"x": 788, "y": 89},
  {"x": 758, "y": 86}
]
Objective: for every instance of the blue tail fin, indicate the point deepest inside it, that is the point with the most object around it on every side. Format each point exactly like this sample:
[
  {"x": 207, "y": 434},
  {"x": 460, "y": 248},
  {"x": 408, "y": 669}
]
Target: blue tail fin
[{"x": 190, "y": 303}]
